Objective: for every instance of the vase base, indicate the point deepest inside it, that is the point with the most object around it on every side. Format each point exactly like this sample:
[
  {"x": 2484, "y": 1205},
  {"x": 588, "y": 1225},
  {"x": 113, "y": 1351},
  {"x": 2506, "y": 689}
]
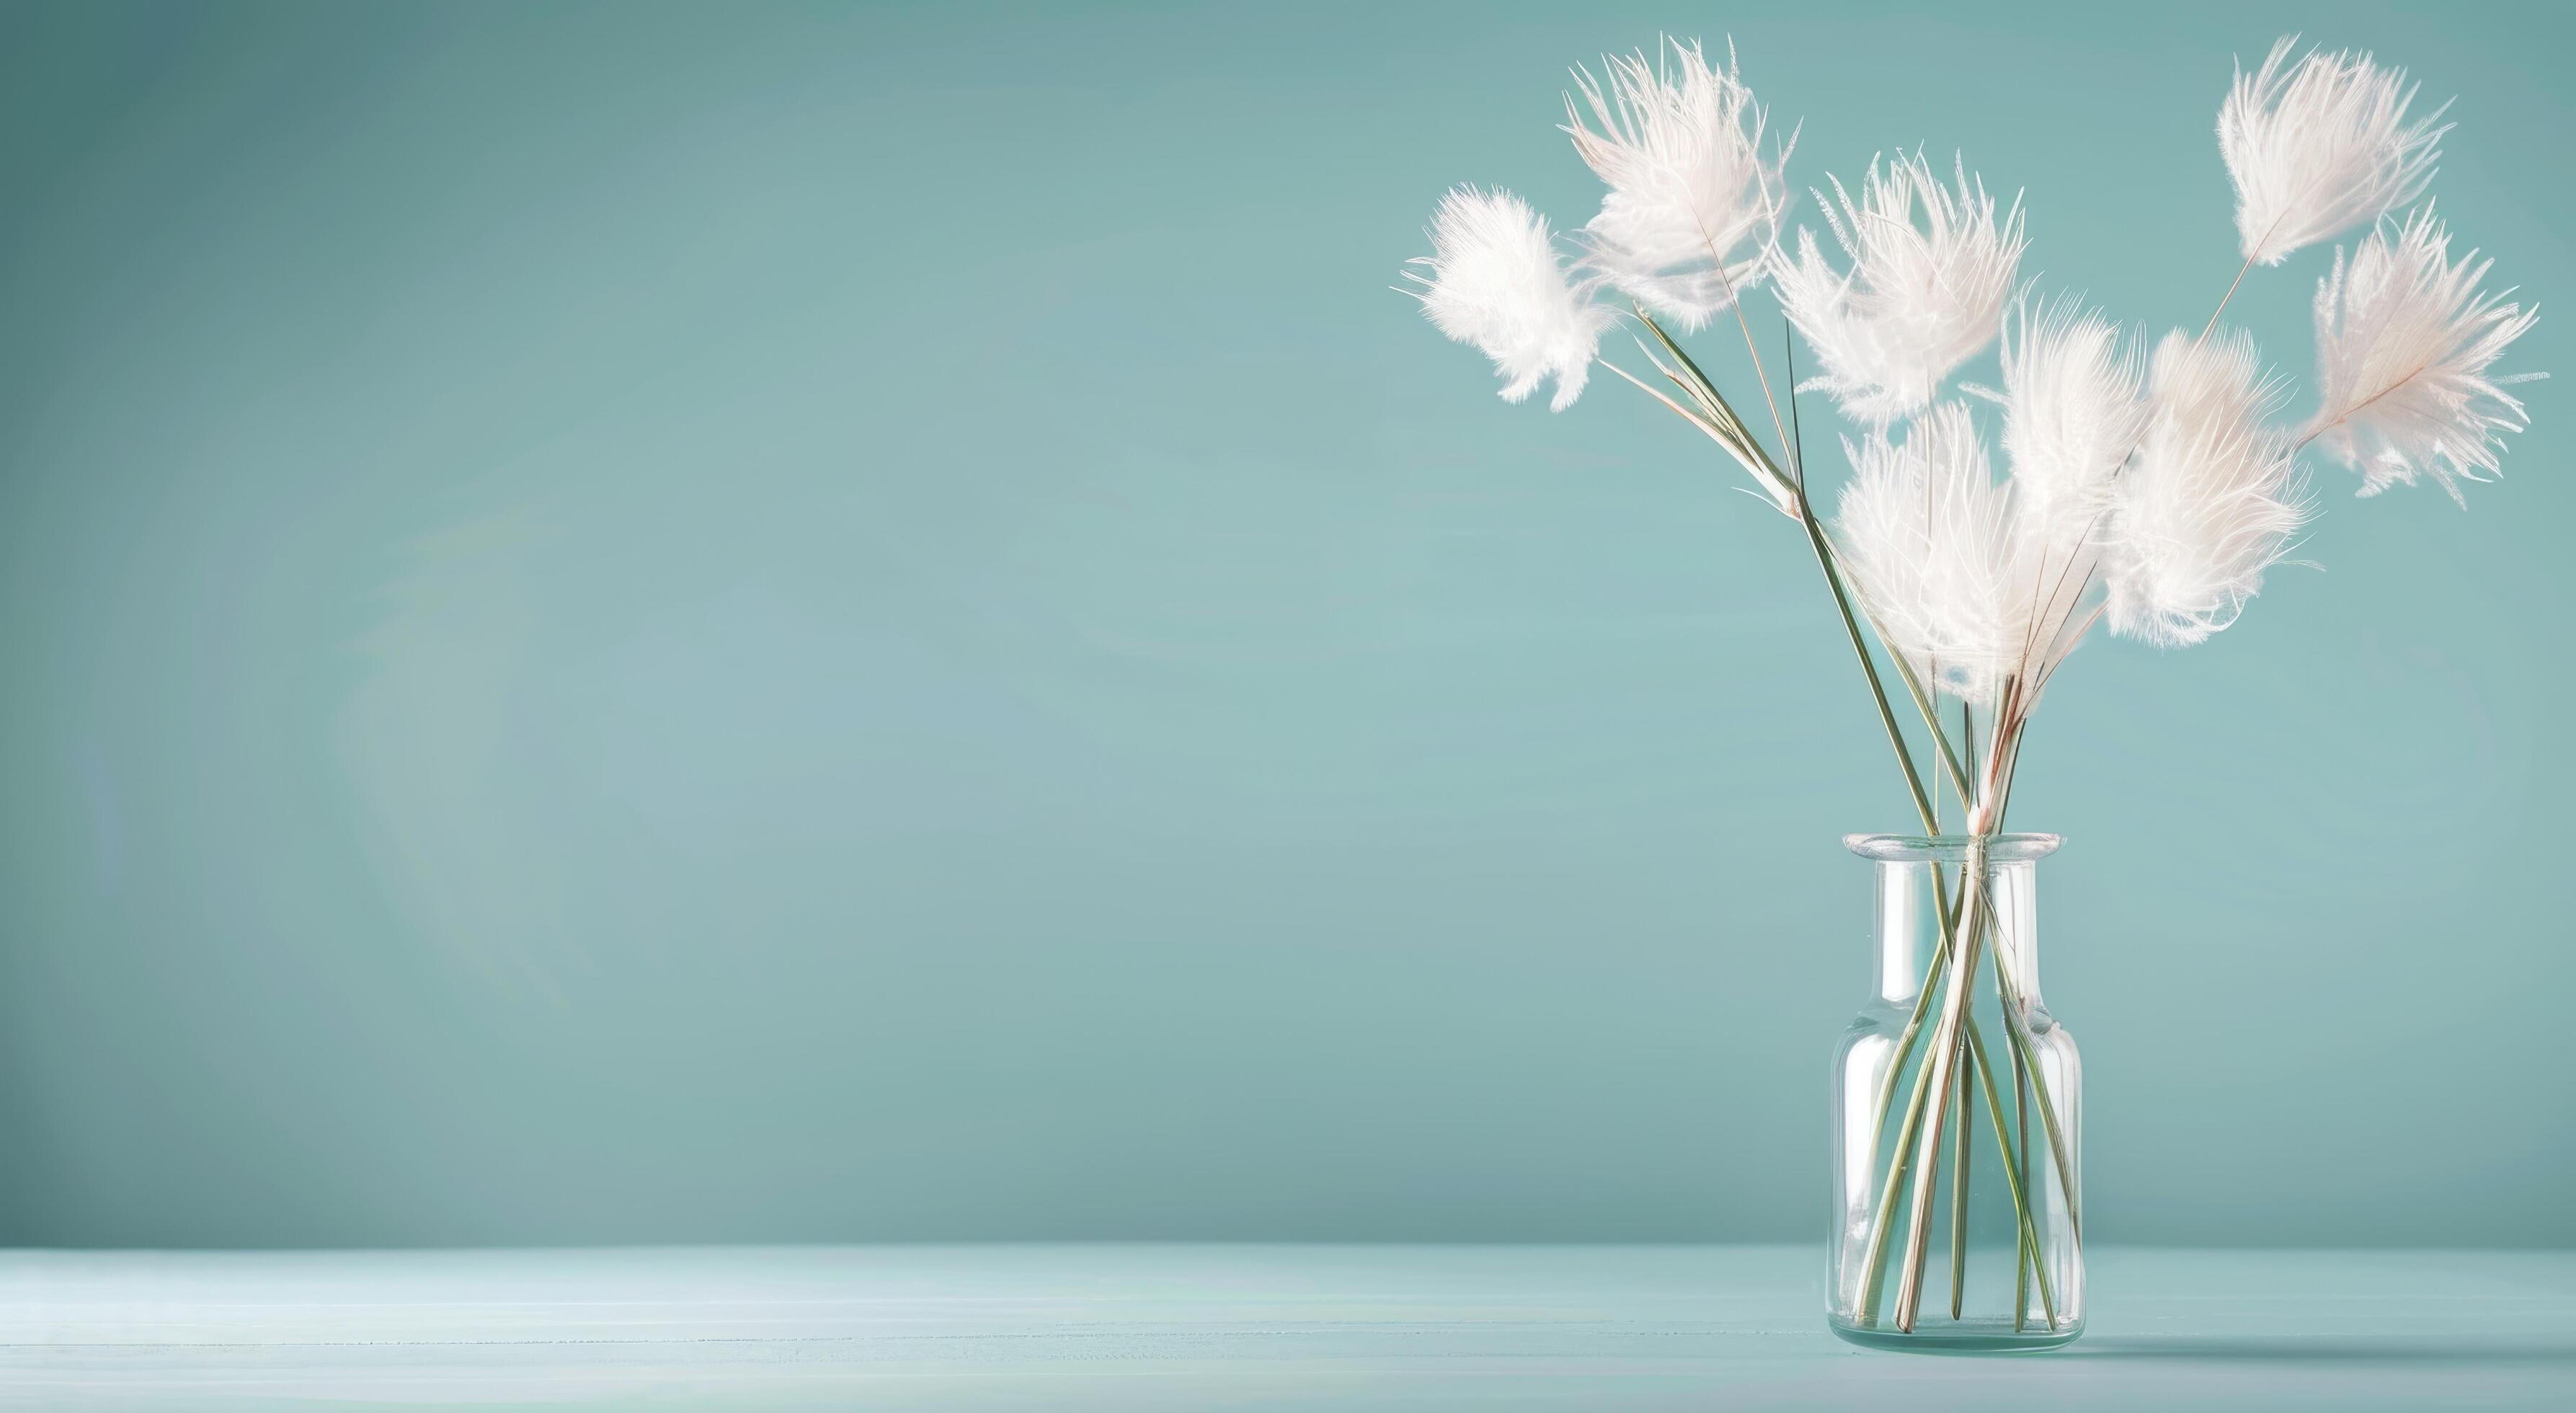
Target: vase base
[{"x": 1959, "y": 1337}]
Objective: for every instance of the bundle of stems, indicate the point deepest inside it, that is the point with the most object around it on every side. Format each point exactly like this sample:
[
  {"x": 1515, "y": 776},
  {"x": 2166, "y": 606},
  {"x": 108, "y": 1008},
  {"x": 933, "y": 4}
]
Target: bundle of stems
[
  {"x": 1955, "y": 1040},
  {"x": 2149, "y": 491}
]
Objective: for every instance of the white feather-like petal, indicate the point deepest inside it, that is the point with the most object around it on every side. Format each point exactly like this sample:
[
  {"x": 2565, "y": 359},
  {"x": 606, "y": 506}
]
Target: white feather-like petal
[
  {"x": 2212, "y": 500},
  {"x": 1495, "y": 281},
  {"x": 1694, "y": 205},
  {"x": 1927, "y": 535},
  {"x": 1923, "y": 294},
  {"x": 2074, "y": 408},
  {"x": 2405, "y": 339},
  {"x": 2319, "y": 146}
]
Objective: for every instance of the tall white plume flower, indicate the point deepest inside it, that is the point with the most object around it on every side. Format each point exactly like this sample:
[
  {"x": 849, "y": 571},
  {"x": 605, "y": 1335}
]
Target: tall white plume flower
[
  {"x": 2404, "y": 342},
  {"x": 1495, "y": 282},
  {"x": 1919, "y": 300},
  {"x": 2320, "y": 146},
  {"x": 2212, "y": 500},
  {"x": 1927, "y": 534},
  {"x": 2074, "y": 409},
  {"x": 1694, "y": 206}
]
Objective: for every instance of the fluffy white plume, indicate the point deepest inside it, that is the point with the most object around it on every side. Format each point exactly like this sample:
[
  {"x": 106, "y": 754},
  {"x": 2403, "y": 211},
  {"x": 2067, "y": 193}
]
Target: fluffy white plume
[
  {"x": 1927, "y": 535},
  {"x": 2211, "y": 501},
  {"x": 1694, "y": 207},
  {"x": 2320, "y": 146},
  {"x": 1495, "y": 282},
  {"x": 2404, "y": 341},
  {"x": 1918, "y": 301},
  {"x": 2074, "y": 408}
]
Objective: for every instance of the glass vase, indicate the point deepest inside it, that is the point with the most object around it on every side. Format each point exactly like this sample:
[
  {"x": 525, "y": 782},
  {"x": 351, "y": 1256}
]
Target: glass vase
[{"x": 1957, "y": 1113}]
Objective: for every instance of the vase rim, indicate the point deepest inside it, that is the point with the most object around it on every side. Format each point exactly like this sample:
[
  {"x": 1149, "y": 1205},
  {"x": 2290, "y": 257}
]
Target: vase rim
[{"x": 1951, "y": 848}]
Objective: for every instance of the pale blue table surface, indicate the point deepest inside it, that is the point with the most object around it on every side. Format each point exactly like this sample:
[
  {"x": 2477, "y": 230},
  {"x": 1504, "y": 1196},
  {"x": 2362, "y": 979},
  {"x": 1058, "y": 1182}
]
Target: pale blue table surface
[{"x": 1173, "y": 1327}]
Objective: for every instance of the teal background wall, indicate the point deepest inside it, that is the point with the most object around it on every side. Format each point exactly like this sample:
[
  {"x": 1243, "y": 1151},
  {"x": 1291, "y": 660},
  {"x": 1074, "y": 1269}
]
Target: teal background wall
[{"x": 677, "y": 623}]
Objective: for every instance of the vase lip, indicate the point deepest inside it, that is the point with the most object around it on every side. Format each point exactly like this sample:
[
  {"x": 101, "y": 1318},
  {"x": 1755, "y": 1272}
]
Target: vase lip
[{"x": 1951, "y": 848}]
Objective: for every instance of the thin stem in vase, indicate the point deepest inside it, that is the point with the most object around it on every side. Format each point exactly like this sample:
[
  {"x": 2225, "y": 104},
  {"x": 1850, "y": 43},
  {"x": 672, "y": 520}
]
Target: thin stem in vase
[
  {"x": 1913, "y": 1027},
  {"x": 1985, "y": 1069},
  {"x": 1948, "y": 1042},
  {"x": 1900, "y": 1163},
  {"x": 2021, "y": 1145},
  {"x": 2016, "y": 1029},
  {"x": 1900, "y": 1160},
  {"x": 2017, "y": 1022},
  {"x": 1959, "y": 1204}
]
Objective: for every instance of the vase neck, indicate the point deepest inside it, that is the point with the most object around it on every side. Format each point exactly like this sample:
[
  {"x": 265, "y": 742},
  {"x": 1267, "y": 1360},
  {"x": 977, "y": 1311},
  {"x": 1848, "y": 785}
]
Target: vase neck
[{"x": 1909, "y": 923}]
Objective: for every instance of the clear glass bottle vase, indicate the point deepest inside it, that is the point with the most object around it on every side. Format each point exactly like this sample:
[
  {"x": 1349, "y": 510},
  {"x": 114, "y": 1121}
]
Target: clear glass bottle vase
[{"x": 1957, "y": 1114}]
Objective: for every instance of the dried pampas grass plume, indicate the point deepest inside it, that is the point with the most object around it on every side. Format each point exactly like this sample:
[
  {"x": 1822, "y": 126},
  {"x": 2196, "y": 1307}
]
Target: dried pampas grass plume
[
  {"x": 1919, "y": 299},
  {"x": 2404, "y": 342},
  {"x": 2074, "y": 409},
  {"x": 2212, "y": 500},
  {"x": 1694, "y": 206},
  {"x": 1495, "y": 282},
  {"x": 1927, "y": 534},
  {"x": 2320, "y": 146}
]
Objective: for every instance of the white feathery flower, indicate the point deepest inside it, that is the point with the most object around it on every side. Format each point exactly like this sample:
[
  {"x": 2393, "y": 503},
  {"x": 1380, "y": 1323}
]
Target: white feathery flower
[
  {"x": 1927, "y": 535},
  {"x": 2211, "y": 501},
  {"x": 1496, "y": 283},
  {"x": 2404, "y": 341},
  {"x": 2073, "y": 411},
  {"x": 1918, "y": 301},
  {"x": 1694, "y": 207},
  {"x": 2318, "y": 147}
]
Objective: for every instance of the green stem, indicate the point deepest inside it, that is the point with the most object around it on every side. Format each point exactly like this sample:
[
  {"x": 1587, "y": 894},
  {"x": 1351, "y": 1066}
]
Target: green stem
[
  {"x": 1959, "y": 1204},
  {"x": 1860, "y": 649},
  {"x": 1900, "y": 1161},
  {"x": 1941, "y": 740},
  {"x": 1901, "y": 1158},
  {"x": 2012, "y": 1174},
  {"x": 1905, "y": 1040},
  {"x": 1948, "y": 1045},
  {"x": 2058, "y": 1152},
  {"x": 2021, "y": 1145},
  {"x": 2016, "y": 1030},
  {"x": 1740, "y": 441}
]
